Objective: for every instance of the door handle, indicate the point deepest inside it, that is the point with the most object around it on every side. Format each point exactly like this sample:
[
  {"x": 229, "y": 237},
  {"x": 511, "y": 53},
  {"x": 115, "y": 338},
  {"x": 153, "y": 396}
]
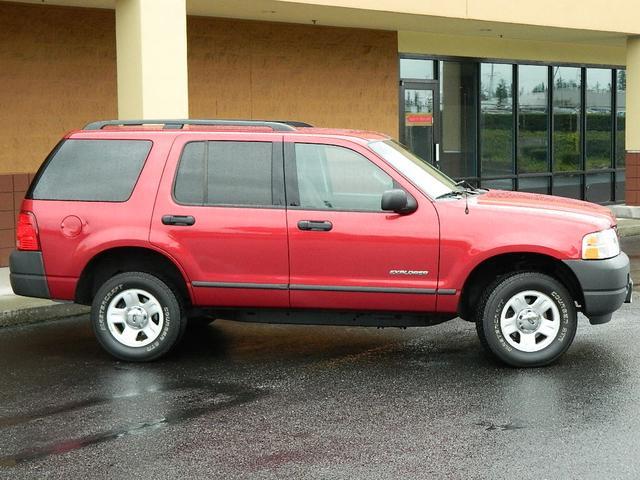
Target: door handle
[
  {"x": 179, "y": 220},
  {"x": 315, "y": 225},
  {"x": 437, "y": 145}
]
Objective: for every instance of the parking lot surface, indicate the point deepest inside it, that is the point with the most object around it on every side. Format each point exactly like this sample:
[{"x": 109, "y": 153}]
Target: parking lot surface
[{"x": 268, "y": 401}]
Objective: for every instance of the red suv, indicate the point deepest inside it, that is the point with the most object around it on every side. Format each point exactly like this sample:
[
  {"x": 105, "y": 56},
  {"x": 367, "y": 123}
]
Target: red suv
[{"x": 154, "y": 222}]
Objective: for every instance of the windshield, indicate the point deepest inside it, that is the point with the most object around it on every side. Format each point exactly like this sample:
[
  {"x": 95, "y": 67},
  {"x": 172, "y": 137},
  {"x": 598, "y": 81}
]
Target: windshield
[{"x": 427, "y": 178}]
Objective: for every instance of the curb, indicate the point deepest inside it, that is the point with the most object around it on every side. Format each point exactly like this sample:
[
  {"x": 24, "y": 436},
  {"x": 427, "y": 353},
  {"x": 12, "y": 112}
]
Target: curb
[
  {"x": 25, "y": 316},
  {"x": 630, "y": 230}
]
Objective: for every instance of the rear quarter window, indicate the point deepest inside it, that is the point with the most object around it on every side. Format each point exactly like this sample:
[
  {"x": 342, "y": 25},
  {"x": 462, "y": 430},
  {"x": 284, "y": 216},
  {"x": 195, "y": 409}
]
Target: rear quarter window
[{"x": 92, "y": 170}]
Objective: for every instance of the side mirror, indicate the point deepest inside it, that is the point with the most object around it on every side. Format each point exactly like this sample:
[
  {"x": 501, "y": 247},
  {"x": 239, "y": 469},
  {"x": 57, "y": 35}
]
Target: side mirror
[{"x": 397, "y": 200}]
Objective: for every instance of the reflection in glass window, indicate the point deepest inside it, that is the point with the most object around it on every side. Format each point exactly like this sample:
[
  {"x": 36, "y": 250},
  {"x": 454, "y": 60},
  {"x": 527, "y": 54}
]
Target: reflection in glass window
[
  {"x": 533, "y": 93},
  {"x": 499, "y": 184},
  {"x": 599, "y": 121},
  {"x": 621, "y": 96},
  {"x": 458, "y": 118},
  {"x": 337, "y": 178},
  {"x": 416, "y": 68},
  {"x": 566, "y": 118},
  {"x": 598, "y": 188},
  {"x": 534, "y": 185},
  {"x": 568, "y": 186},
  {"x": 496, "y": 119}
]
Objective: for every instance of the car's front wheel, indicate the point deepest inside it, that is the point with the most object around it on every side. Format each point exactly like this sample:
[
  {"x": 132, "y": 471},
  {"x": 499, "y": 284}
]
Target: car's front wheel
[
  {"x": 526, "y": 319},
  {"x": 137, "y": 317}
]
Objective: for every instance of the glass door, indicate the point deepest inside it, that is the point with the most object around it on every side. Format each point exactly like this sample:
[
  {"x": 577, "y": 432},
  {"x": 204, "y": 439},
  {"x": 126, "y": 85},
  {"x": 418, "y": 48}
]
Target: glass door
[{"x": 419, "y": 120}]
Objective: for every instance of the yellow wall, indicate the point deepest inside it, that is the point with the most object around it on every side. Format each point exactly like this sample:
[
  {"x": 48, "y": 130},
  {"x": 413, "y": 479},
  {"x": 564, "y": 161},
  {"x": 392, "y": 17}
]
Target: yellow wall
[
  {"x": 152, "y": 59},
  {"x": 596, "y": 15},
  {"x": 510, "y": 49}
]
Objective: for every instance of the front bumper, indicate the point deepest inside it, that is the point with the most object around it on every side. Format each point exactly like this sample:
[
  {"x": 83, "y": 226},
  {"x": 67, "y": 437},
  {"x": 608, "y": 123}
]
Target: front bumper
[
  {"x": 606, "y": 285},
  {"x": 26, "y": 274}
]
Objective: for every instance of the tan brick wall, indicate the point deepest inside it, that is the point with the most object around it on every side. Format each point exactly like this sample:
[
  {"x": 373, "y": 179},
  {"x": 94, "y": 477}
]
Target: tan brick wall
[
  {"x": 12, "y": 190},
  {"x": 326, "y": 76},
  {"x": 57, "y": 72}
]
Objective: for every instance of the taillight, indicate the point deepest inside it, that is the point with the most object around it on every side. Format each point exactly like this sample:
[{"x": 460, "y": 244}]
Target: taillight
[{"x": 27, "y": 232}]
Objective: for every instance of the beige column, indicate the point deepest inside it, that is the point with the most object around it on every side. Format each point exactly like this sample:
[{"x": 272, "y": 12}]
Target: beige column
[
  {"x": 151, "y": 40},
  {"x": 632, "y": 130}
]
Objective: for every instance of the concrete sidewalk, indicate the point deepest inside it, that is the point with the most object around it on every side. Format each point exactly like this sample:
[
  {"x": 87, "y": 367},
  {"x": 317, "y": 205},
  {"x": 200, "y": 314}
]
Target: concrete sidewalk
[{"x": 16, "y": 310}]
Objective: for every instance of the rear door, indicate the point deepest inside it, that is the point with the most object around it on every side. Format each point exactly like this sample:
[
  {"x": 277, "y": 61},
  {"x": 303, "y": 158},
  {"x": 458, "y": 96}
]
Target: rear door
[
  {"x": 220, "y": 212},
  {"x": 345, "y": 252}
]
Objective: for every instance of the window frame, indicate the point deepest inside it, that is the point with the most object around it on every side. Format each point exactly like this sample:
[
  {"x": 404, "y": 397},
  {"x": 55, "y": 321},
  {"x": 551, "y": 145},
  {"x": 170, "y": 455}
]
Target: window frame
[
  {"x": 277, "y": 175},
  {"x": 292, "y": 191}
]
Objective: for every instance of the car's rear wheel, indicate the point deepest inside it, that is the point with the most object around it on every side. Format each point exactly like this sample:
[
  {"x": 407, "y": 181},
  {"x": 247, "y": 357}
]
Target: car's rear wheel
[
  {"x": 137, "y": 317},
  {"x": 526, "y": 319}
]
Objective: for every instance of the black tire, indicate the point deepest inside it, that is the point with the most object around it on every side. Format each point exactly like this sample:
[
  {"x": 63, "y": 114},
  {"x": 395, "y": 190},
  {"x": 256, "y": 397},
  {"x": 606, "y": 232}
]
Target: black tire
[
  {"x": 174, "y": 322},
  {"x": 494, "y": 300}
]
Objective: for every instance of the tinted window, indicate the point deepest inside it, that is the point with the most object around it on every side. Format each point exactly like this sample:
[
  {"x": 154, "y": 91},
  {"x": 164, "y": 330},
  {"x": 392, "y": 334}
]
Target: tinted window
[
  {"x": 336, "y": 178},
  {"x": 93, "y": 170},
  {"x": 225, "y": 173}
]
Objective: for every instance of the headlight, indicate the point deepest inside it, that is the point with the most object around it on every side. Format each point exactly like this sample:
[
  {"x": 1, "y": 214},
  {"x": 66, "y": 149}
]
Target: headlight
[{"x": 599, "y": 245}]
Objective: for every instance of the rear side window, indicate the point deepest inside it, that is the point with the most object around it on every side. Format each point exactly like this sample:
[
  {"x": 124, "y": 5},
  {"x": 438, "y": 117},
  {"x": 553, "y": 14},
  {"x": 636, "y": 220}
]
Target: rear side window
[
  {"x": 225, "y": 173},
  {"x": 92, "y": 170}
]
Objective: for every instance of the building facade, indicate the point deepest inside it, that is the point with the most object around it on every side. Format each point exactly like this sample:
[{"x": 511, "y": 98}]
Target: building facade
[{"x": 537, "y": 97}]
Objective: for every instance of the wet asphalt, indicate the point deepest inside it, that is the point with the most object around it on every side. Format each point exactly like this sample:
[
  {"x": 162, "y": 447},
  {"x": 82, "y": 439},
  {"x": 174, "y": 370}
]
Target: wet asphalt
[{"x": 268, "y": 401}]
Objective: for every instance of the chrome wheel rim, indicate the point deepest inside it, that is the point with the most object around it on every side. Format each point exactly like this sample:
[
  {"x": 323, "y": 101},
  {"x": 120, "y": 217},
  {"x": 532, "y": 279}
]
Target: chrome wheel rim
[
  {"x": 530, "y": 321},
  {"x": 135, "y": 318}
]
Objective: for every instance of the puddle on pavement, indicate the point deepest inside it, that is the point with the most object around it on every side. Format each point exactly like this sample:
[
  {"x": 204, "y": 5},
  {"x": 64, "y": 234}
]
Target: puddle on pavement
[{"x": 217, "y": 396}]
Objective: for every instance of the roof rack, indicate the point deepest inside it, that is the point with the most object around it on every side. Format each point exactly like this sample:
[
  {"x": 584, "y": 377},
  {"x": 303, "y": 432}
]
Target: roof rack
[{"x": 278, "y": 126}]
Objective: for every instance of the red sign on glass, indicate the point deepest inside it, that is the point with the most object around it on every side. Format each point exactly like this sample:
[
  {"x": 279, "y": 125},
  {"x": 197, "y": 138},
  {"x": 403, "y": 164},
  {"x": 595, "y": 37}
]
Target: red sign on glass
[{"x": 419, "y": 119}]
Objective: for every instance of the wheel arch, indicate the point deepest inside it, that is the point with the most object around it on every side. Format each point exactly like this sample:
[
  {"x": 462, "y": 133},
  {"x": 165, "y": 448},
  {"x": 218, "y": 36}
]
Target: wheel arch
[
  {"x": 493, "y": 267},
  {"x": 112, "y": 261}
]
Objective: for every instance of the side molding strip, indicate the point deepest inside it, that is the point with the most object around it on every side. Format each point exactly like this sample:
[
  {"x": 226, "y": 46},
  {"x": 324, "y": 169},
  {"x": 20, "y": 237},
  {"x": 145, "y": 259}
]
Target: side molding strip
[{"x": 324, "y": 288}]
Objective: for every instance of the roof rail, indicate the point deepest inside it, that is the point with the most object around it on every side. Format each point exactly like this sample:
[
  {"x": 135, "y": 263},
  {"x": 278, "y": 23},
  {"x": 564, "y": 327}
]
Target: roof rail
[{"x": 278, "y": 126}]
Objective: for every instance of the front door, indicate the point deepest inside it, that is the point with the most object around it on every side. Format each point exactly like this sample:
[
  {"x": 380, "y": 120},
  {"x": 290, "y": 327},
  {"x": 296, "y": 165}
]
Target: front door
[
  {"x": 419, "y": 120},
  {"x": 344, "y": 251}
]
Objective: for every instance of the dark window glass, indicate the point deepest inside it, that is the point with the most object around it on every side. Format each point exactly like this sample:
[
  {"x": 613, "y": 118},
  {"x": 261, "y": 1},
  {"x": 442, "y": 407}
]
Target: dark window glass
[
  {"x": 566, "y": 118},
  {"x": 619, "y": 186},
  {"x": 598, "y": 187},
  {"x": 190, "y": 180},
  {"x": 533, "y": 94},
  {"x": 415, "y": 68},
  {"x": 599, "y": 120},
  {"x": 499, "y": 184},
  {"x": 567, "y": 186},
  {"x": 337, "y": 178},
  {"x": 93, "y": 170},
  {"x": 534, "y": 185},
  {"x": 621, "y": 103},
  {"x": 234, "y": 173},
  {"x": 239, "y": 173},
  {"x": 496, "y": 119},
  {"x": 458, "y": 107}
]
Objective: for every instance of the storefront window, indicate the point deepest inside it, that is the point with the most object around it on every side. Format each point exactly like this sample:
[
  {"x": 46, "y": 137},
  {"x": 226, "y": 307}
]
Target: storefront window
[
  {"x": 599, "y": 120},
  {"x": 621, "y": 96},
  {"x": 458, "y": 104},
  {"x": 566, "y": 118},
  {"x": 417, "y": 69},
  {"x": 533, "y": 139},
  {"x": 496, "y": 119}
]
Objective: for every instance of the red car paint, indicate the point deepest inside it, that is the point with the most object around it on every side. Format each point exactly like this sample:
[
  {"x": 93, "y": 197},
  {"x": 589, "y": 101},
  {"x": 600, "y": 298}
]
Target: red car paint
[{"x": 263, "y": 246}]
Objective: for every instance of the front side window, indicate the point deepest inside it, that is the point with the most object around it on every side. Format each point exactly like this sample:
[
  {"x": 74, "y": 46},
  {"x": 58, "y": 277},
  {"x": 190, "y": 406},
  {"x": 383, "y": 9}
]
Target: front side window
[
  {"x": 337, "y": 178},
  {"x": 225, "y": 173}
]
